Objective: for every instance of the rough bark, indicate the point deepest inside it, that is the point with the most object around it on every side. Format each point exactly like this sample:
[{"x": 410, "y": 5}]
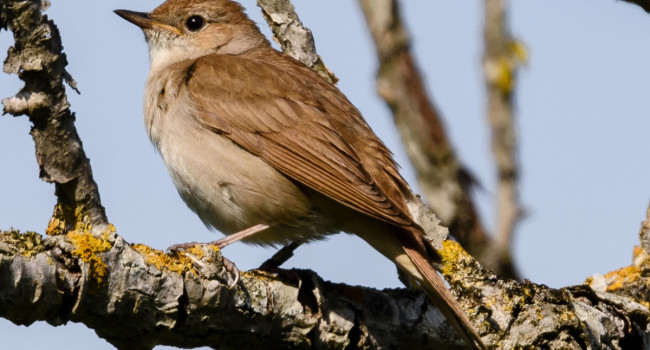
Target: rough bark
[
  {"x": 136, "y": 298},
  {"x": 144, "y": 298},
  {"x": 295, "y": 39},
  {"x": 444, "y": 182},
  {"x": 37, "y": 58}
]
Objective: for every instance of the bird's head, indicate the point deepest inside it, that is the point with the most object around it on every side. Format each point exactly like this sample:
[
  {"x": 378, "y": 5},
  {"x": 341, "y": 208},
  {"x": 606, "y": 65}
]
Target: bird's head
[{"x": 179, "y": 29}]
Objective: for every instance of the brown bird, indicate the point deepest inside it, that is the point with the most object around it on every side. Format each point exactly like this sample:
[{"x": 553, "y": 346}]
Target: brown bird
[{"x": 251, "y": 136}]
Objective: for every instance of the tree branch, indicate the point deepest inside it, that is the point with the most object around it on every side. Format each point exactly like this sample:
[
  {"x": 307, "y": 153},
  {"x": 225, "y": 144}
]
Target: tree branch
[
  {"x": 444, "y": 182},
  {"x": 136, "y": 298},
  {"x": 37, "y": 58},
  {"x": 146, "y": 298},
  {"x": 295, "y": 39},
  {"x": 501, "y": 58}
]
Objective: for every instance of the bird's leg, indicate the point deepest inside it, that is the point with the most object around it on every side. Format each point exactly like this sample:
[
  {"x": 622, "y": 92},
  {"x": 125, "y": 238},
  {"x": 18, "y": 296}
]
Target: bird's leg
[
  {"x": 226, "y": 241},
  {"x": 237, "y": 236},
  {"x": 280, "y": 257}
]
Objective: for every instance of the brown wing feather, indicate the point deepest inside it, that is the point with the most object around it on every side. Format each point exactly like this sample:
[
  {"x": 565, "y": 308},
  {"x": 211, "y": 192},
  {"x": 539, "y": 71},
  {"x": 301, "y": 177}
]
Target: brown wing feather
[{"x": 315, "y": 142}]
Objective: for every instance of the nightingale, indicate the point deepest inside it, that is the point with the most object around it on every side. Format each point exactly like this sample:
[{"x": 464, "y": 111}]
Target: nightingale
[{"x": 252, "y": 136}]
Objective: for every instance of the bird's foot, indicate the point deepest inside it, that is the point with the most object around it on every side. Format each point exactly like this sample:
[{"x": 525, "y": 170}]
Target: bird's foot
[
  {"x": 222, "y": 243},
  {"x": 205, "y": 257},
  {"x": 232, "y": 269}
]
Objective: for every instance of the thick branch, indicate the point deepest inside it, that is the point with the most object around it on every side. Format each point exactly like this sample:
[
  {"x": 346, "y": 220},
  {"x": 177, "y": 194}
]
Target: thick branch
[
  {"x": 500, "y": 62},
  {"x": 37, "y": 58},
  {"x": 136, "y": 298},
  {"x": 145, "y": 298}
]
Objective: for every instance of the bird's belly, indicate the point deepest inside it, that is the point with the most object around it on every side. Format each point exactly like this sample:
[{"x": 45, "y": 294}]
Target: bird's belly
[{"x": 231, "y": 189}]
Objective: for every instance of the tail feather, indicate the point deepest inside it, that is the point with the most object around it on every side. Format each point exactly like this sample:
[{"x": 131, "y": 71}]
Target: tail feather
[
  {"x": 438, "y": 293},
  {"x": 407, "y": 249}
]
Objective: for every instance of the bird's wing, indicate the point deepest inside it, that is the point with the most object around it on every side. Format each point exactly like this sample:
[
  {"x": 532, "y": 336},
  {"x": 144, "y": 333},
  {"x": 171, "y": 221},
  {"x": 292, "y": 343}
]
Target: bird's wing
[{"x": 302, "y": 126}]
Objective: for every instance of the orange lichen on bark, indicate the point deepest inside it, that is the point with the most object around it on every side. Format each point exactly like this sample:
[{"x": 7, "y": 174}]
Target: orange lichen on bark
[
  {"x": 454, "y": 260},
  {"x": 176, "y": 261},
  {"x": 197, "y": 251},
  {"x": 619, "y": 278},
  {"x": 88, "y": 248},
  {"x": 65, "y": 219}
]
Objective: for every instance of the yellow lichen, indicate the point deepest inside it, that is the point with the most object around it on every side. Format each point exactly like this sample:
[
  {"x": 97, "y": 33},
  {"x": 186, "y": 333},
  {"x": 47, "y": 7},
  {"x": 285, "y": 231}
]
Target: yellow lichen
[
  {"x": 615, "y": 280},
  {"x": 66, "y": 218},
  {"x": 567, "y": 316},
  {"x": 32, "y": 244},
  {"x": 452, "y": 253},
  {"x": 528, "y": 293},
  {"x": 619, "y": 278},
  {"x": 519, "y": 51},
  {"x": 176, "y": 261},
  {"x": 87, "y": 248},
  {"x": 55, "y": 227},
  {"x": 27, "y": 244},
  {"x": 500, "y": 71},
  {"x": 504, "y": 74},
  {"x": 199, "y": 253}
]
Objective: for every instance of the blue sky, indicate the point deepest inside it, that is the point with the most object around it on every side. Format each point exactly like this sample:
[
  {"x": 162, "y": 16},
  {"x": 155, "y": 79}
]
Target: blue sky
[{"x": 582, "y": 106}]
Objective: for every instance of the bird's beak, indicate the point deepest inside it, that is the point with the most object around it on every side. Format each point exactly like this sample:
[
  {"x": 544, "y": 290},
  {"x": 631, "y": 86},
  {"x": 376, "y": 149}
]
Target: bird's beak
[{"x": 144, "y": 21}]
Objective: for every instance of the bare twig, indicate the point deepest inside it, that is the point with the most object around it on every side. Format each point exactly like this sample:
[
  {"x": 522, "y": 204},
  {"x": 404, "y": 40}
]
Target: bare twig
[
  {"x": 37, "y": 58},
  {"x": 502, "y": 54},
  {"x": 444, "y": 182},
  {"x": 296, "y": 39}
]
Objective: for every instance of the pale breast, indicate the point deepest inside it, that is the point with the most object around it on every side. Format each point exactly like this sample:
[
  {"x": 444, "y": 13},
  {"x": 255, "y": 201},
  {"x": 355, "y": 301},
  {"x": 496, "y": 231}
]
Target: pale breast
[{"x": 229, "y": 188}]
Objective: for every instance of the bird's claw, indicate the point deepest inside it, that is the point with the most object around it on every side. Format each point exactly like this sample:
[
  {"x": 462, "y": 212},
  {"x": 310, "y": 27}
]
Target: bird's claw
[{"x": 230, "y": 267}]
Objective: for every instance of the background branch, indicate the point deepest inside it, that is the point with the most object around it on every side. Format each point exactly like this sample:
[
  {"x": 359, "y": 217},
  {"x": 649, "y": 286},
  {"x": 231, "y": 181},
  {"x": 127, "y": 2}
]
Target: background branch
[
  {"x": 501, "y": 57},
  {"x": 446, "y": 185}
]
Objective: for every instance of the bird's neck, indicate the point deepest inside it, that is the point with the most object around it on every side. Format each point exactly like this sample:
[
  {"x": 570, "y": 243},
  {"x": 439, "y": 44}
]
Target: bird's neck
[{"x": 164, "y": 52}]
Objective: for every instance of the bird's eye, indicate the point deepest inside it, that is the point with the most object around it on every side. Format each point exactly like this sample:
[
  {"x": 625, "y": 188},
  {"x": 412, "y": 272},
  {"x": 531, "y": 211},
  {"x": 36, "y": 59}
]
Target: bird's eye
[{"x": 195, "y": 23}]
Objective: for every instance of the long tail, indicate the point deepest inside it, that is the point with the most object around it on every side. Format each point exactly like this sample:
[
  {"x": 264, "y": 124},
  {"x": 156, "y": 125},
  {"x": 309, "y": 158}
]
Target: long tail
[
  {"x": 406, "y": 248},
  {"x": 438, "y": 293}
]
